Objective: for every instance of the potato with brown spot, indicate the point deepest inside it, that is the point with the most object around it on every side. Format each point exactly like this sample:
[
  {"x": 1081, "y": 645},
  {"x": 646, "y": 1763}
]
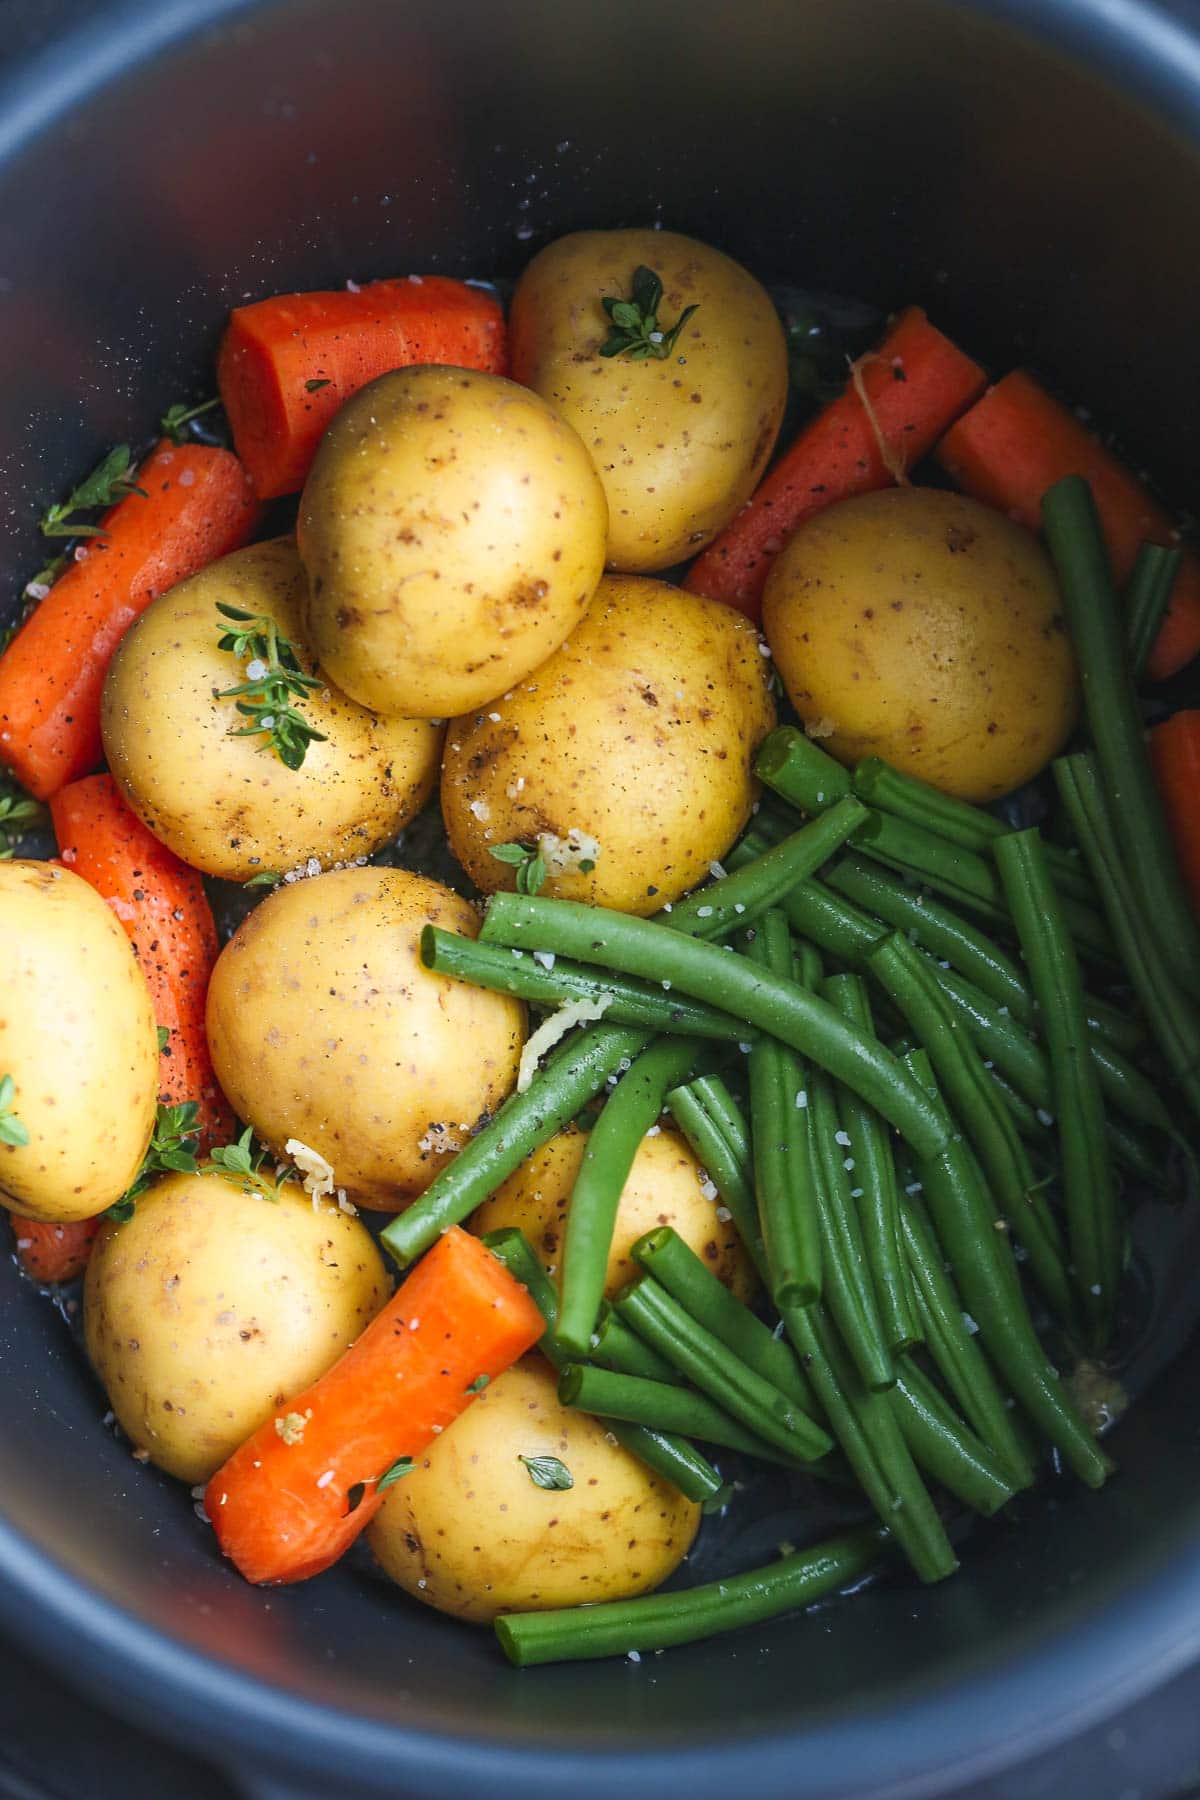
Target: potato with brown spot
[
  {"x": 212, "y": 1305},
  {"x": 453, "y": 529},
  {"x": 471, "y": 1532},
  {"x": 680, "y": 441},
  {"x": 630, "y": 748},
  {"x": 325, "y": 1026},
  {"x": 927, "y": 629},
  {"x": 665, "y": 1186},
  {"x": 227, "y": 804}
]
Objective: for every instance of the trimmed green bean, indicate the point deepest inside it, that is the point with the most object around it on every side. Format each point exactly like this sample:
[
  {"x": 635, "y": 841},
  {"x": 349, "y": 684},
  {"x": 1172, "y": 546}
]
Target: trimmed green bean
[
  {"x": 617, "y": 1348},
  {"x": 658, "y": 1621},
  {"x": 661, "y": 1406},
  {"x": 1089, "y": 1189},
  {"x": 1145, "y": 601},
  {"x": 788, "y": 1011},
  {"x": 943, "y": 1446},
  {"x": 849, "y": 1292},
  {"x": 720, "y": 1105},
  {"x": 1076, "y": 543},
  {"x": 614, "y": 1140},
  {"x": 723, "y": 1167},
  {"x": 576, "y": 1072}
]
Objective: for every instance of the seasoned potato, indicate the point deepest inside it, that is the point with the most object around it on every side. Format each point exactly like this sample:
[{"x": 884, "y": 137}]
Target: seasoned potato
[
  {"x": 927, "y": 629},
  {"x": 213, "y": 1304},
  {"x": 453, "y": 530},
  {"x": 77, "y": 1039},
  {"x": 680, "y": 440},
  {"x": 325, "y": 1026},
  {"x": 224, "y": 803},
  {"x": 665, "y": 1187},
  {"x": 630, "y": 749},
  {"x": 471, "y": 1532}
]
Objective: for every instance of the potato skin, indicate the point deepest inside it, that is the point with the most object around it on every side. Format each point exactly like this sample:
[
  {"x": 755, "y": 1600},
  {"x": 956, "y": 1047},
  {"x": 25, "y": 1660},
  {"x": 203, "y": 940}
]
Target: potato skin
[
  {"x": 639, "y": 732},
  {"x": 664, "y": 1187},
  {"x": 222, "y": 803},
  {"x": 212, "y": 1306},
  {"x": 681, "y": 442},
  {"x": 77, "y": 1035},
  {"x": 453, "y": 529},
  {"x": 470, "y": 1533},
  {"x": 324, "y": 1026},
  {"x": 927, "y": 629}
]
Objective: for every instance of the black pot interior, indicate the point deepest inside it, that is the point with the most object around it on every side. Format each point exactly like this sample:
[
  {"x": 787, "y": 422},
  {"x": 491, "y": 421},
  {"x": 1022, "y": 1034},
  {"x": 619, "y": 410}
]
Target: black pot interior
[{"x": 962, "y": 157}]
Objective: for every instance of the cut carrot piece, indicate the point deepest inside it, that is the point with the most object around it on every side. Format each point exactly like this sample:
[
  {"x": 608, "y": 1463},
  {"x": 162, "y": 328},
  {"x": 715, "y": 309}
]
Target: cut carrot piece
[
  {"x": 198, "y": 505},
  {"x": 914, "y": 385},
  {"x": 50, "y": 1253},
  {"x": 162, "y": 905},
  {"x": 1175, "y": 754},
  {"x": 1017, "y": 441},
  {"x": 297, "y": 1493},
  {"x": 286, "y": 364}
]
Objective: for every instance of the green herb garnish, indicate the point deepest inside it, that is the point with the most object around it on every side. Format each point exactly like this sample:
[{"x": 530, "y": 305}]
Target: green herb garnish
[
  {"x": 548, "y": 1472},
  {"x": 477, "y": 1386},
  {"x": 264, "y": 878},
  {"x": 173, "y": 1146},
  {"x": 176, "y": 417},
  {"x": 636, "y": 331},
  {"x": 46, "y": 576},
  {"x": 403, "y": 1465},
  {"x": 315, "y": 386},
  {"x": 527, "y": 860},
  {"x": 108, "y": 482},
  {"x": 241, "y": 1162},
  {"x": 12, "y": 1131},
  {"x": 164, "y": 1038},
  {"x": 273, "y": 678},
  {"x": 18, "y": 815}
]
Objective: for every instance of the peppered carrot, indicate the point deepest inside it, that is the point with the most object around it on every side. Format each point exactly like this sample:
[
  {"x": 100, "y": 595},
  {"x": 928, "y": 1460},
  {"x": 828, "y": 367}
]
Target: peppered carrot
[
  {"x": 283, "y": 1506},
  {"x": 286, "y": 364},
  {"x": 162, "y": 905},
  {"x": 1175, "y": 754},
  {"x": 197, "y": 505},
  {"x": 915, "y": 383},
  {"x": 1017, "y": 442},
  {"x": 51, "y": 1253}
]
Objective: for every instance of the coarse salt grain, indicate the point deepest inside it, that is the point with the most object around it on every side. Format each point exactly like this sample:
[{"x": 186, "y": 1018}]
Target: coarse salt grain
[
  {"x": 709, "y": 1190},
  {"x": 802, "y": 1099},
  {"x": 324, "y": 1480},
  {"x": 843, "y": 1138}
]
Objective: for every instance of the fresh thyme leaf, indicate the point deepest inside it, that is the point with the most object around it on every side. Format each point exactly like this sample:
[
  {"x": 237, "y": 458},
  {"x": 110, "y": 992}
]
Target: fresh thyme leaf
[
  {"x": 12, "y": 1131},
  {"x": 172, "y": 1150},
  {"x": 477, "y": 1386},
  {"x": 273, "y": 679},
  {"x": 241, "y": 1163},
  {"x": 403, "y": 1465},
  {"x": 636, "y": 331},
  {"x": 121, "y": 1211},
  {"x": 264, "y": 878},
  {"x": 176, "y": 417},
  {"x": 316, "y": 385},
  {"x": 46, "y": 576},
  {"x": 527, "y": 860},
  {"x": 548, "y": 1472},
  {"x": 18, "y": 816},
  {"x": 164, "y": 1038},
  {"x": 108, "y": 482}
]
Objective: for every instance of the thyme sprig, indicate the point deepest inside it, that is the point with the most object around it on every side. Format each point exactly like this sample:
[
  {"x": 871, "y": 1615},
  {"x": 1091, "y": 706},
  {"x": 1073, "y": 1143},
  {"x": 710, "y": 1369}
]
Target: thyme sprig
[{"x": 273, "y": 679}]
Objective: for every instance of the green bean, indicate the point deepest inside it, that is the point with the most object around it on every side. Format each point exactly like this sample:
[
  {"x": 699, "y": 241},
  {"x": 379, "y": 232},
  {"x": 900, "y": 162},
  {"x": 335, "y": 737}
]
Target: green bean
[
  {"x": 1120, "y": 1029},
  {"x": 944, "y": 1447},
  {"x": 849, "y": 1293},
  {"x": 984, "y": 1268},
  {"x": 617, "y": 1348},
  {"x": 953, "y": 1349},
  {"x": 875, "y": 1179},
  {"x": 1077, "y": 545},
  {"x": 629, "y": 1002},
  {"x": 614, "y": 1140},
  {"x": 720, "y": 1105},
  {"x": 709, "y": 1365},
  {"x": 906, "y": 977},
  {"x": 1146, "y": 598},
  {"x": 723, "y": 1167},
  {"x": 788, "y": 1011},
  {"x": 1137, "y": 1157},
  {"x": 1032, "y": 1125},
  {"x": 577, "y": 1071},
  {"x": 658, "y": 1621},
  {"x": 661, "y": 1406},
  {"x": 782, "y": 1171},
  {"x": 1150, "y": 969},
  {"x": 1089, "y": 1187}
]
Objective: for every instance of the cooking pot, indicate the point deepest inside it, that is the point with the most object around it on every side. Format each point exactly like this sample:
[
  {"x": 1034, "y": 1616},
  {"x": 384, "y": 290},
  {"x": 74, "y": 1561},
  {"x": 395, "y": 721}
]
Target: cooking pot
[{"x": 1029, "y": 170}]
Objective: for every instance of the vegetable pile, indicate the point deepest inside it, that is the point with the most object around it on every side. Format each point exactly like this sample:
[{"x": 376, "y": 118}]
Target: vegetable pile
[{"x": 853, "y": 1066}]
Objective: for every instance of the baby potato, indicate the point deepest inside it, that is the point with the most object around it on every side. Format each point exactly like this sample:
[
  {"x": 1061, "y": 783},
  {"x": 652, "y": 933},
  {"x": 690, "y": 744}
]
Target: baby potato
[
  {"x": 665, "y": 1186},
  {"x": 472, "y": 1533},
  {"x": 453, "y": 531},
  {"x": 325, "y": 1026},
  {"x": 227, "y": 804},
  {"x": 630, "y": 749},
  {"x": 214, "y": 1303},
  {"x": 927, "y": 629},
  {"x": 680, "y": 439},
  {"x": 78, "y": 1044}
]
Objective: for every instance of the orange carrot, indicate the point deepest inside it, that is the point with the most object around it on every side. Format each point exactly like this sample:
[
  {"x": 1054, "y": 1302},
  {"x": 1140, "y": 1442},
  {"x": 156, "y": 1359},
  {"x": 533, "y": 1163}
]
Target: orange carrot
[
  {"x": 1016, "y": 442},
  {"x": 1175, "y": 754},
  {"x": 285, "y": 365},
  {"x": 50, "y": 1253},
  {"x": 197, "y": 506},
  {"x": 915, "y": 384},
  {"x": 162, "y": 905},
  {"x": 283, "y": 1505}
]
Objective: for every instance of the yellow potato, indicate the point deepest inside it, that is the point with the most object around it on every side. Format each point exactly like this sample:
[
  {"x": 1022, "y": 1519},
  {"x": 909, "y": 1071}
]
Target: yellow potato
[
  {"x": 630, "y": 748},
  {"x": 223, "y": 803},
  {"x": 453, "y": 530},
  {"x": 213, "y": 1305},
  {"x": 77, "y": 1038},
  {"x": 680, "y": 441},
  {"x": 927, "y": 629},
  {"x": 470, "y": 1532},
  {"x": 665, "y": 1187},
  {"x": 325, "y": 1026}
]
